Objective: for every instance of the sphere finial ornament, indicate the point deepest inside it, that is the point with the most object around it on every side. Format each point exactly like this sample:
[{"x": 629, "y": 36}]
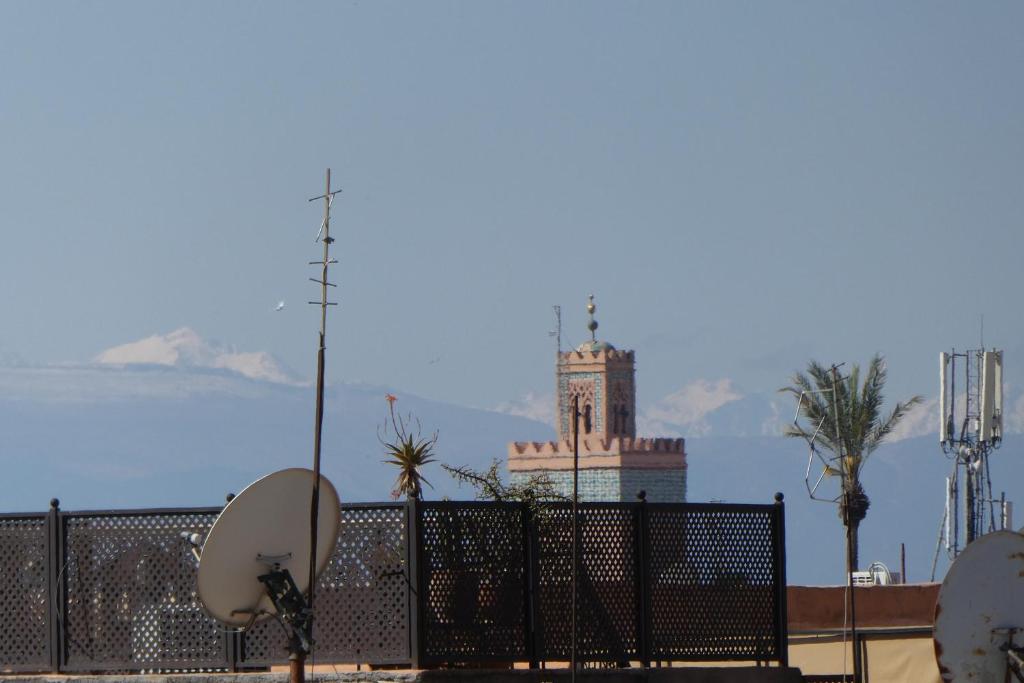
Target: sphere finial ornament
[{"x": 592, "y": 325}]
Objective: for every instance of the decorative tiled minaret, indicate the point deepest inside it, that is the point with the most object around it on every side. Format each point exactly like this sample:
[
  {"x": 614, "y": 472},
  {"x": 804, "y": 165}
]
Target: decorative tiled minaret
[
  {"x": 614, "y": 464},
  {"x": 603, "y": 379}
]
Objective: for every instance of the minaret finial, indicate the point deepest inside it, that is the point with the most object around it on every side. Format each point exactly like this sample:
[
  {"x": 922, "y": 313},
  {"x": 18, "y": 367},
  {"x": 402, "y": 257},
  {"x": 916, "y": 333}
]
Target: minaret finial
[{"x": 592, "y": 325}]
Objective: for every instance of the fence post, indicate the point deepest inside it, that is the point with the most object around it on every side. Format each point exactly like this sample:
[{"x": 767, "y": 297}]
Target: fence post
[
  {"x": 643, "y": 583},
  {"x": 781, "y": 616},
  {"x": 529, "y": 587},
  {"x": 412, "y": 564},
  {"x": 233, "y": 645},
  {"x": 55, "y": 596}
]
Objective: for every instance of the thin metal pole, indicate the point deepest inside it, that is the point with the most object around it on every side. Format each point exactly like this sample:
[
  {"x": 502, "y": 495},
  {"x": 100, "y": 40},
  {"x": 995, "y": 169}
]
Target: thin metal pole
[
  {"x": 297, "y": 667},
  {"x": 575, "y": 527},
  {"x": 849, "y": 527},
  {"x": 298, "y": 663},
  {"x": 319, "y": 422},
  {"x": 318, "y": 425},
  {"x": 903, "y": 563},
  {"x": 969, "y": 500}
]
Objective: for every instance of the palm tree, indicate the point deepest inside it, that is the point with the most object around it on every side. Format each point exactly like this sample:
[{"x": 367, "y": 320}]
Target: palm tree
[
  {"x": 408, "y": 451},
  {"x": 855, "y": 410}
]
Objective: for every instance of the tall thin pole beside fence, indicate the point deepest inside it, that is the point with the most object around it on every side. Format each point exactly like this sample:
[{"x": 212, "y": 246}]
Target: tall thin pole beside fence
[
  {"x": 55, "y": 596},
  {"x": 781, "y": 608},
  {"x": 529, "y": 586},
  {"x": 413, "y": 546},
  {"x": 643, "y": 594},
  {"x": 574, "y": 655}
]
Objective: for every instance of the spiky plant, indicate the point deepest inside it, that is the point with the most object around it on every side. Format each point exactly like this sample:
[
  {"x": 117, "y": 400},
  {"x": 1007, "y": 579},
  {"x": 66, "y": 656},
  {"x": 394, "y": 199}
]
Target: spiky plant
[
  {"x": 408, "y": 450},
  {"x": 538, "y": 488},
  {"x": 862, "y": 428}
]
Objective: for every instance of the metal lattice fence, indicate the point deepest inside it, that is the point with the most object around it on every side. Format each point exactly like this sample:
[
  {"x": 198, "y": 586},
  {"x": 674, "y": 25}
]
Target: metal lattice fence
[
  {"x": 713, "y": 582},
  {"x": 421, "y": 583},
  {"x": 362, "y": 598},
  {"x": 472, "y": 575},
  {"x": 25, "y": 638},
  {"x": 129, "y": 586},
  {"x": 608, "y": 582}
]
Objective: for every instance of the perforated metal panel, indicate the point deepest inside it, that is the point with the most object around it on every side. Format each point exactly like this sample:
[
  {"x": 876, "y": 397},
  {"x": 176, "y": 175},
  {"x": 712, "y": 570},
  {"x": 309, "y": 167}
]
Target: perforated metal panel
[
  {"x": 608, "y": 598},
  {"x": 492, "y": 583},
  {"x": 712, "y": 574},
  {"x": 472, "y": 574},
  {"x": 24, "y": 598},
  {"x": 130, "y": 589},
  {"x": 362, "y": 597}
]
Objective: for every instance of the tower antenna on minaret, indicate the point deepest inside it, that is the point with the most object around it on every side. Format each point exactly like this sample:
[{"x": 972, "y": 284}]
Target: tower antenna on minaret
[
  {"x": 325, "y": 234},
  {"x": 557, "y": 332}
]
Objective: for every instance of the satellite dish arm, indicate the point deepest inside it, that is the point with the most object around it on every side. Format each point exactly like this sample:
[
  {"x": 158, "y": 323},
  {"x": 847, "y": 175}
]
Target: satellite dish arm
[
  {"x": 195, "y": 542},
  {"x": 1015, "y": 662}
]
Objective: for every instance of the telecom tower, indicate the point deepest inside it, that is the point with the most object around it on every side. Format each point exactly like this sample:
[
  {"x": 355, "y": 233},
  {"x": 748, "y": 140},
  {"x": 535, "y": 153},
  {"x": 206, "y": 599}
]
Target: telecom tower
[{"x": 970, "y": 428}]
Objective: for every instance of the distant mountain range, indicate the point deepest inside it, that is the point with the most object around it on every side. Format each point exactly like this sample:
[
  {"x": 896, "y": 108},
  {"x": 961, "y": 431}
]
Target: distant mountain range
[
  {"x": 173, "y": 420},
  {"x": 185, "y": 348}
]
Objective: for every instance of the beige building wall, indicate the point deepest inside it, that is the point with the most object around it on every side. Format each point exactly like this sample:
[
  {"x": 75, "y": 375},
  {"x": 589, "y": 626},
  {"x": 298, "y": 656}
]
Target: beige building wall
[
  {"x": 891, "y": 658},
  {"x": 894, "y": 623}
]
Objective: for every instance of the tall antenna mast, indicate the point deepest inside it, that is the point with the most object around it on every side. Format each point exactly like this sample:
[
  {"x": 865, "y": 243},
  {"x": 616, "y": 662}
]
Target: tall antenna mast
[
  {"x": 970, "y": 429},
  {"x": 314, "y": 509},
  {"x": 558, "y": 327},
  {"x": 840, "y": 444}
]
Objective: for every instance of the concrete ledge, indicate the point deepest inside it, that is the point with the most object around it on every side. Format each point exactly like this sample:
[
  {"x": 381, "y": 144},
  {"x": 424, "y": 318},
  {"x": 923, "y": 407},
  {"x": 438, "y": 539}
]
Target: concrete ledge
[{"x": 665, "y": 675}]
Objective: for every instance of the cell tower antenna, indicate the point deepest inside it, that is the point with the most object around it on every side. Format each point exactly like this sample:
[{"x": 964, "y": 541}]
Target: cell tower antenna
[{"x": 970, "y": 429}]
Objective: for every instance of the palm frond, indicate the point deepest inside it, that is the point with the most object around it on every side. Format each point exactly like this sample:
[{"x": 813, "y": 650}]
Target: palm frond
[
  {"x": 884, "y": 429},
  {"x": 852, "y": 405}
]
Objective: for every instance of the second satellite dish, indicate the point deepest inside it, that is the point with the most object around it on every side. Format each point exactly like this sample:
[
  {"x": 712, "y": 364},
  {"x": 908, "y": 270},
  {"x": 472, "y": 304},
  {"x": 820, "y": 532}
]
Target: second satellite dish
[
  {"x": 265, "y": 527},
  {"x": 981, "y": 601}
]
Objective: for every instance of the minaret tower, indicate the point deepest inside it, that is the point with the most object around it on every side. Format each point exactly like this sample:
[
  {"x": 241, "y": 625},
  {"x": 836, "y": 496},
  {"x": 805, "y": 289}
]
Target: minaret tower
[
  {"x": 604, "y": 380},
  {"x": 614, "y": 463}
]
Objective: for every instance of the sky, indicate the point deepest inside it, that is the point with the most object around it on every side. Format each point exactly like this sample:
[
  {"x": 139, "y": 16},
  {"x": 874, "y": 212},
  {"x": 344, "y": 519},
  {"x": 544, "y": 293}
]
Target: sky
[{"x": 742, "y": 186}]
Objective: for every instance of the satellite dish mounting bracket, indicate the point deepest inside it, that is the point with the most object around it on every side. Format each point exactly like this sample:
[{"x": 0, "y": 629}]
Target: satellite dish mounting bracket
[
  {"x": 273, "y": 561},
  {"x": 291, "y": 608},
  {"x": 1014, "y": 653}
]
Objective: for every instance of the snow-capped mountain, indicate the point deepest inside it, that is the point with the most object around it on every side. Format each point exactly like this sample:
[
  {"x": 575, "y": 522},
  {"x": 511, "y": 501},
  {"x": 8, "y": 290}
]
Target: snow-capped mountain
[
  {"x": 184, "y": 348},
  {"x": 713, "y": 408},
  {"x": 720, "y": 408}
]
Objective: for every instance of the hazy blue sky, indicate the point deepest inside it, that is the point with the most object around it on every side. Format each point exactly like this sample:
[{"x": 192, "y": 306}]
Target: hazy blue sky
[{"x": 742, "y": 185}]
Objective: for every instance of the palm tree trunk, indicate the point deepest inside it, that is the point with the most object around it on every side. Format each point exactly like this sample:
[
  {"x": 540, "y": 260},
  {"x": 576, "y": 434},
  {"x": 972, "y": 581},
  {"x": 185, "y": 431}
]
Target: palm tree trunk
[
  {"x": 853, "y": 508},
  {"x": 852, "y": 528},
  {"x": 854, "y": 545}
]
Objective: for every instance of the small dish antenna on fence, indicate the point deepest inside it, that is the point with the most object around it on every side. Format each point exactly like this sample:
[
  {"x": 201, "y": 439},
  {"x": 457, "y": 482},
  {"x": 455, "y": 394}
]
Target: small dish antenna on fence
[
  {"x": 255, "y": 561},
  {"x": 979, "y": 614}
]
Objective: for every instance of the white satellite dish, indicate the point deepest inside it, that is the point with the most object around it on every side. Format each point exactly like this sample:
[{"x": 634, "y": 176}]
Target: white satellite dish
[
  {"x": 980, "y": 602},
  {"x": 265, "y": 527}
]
